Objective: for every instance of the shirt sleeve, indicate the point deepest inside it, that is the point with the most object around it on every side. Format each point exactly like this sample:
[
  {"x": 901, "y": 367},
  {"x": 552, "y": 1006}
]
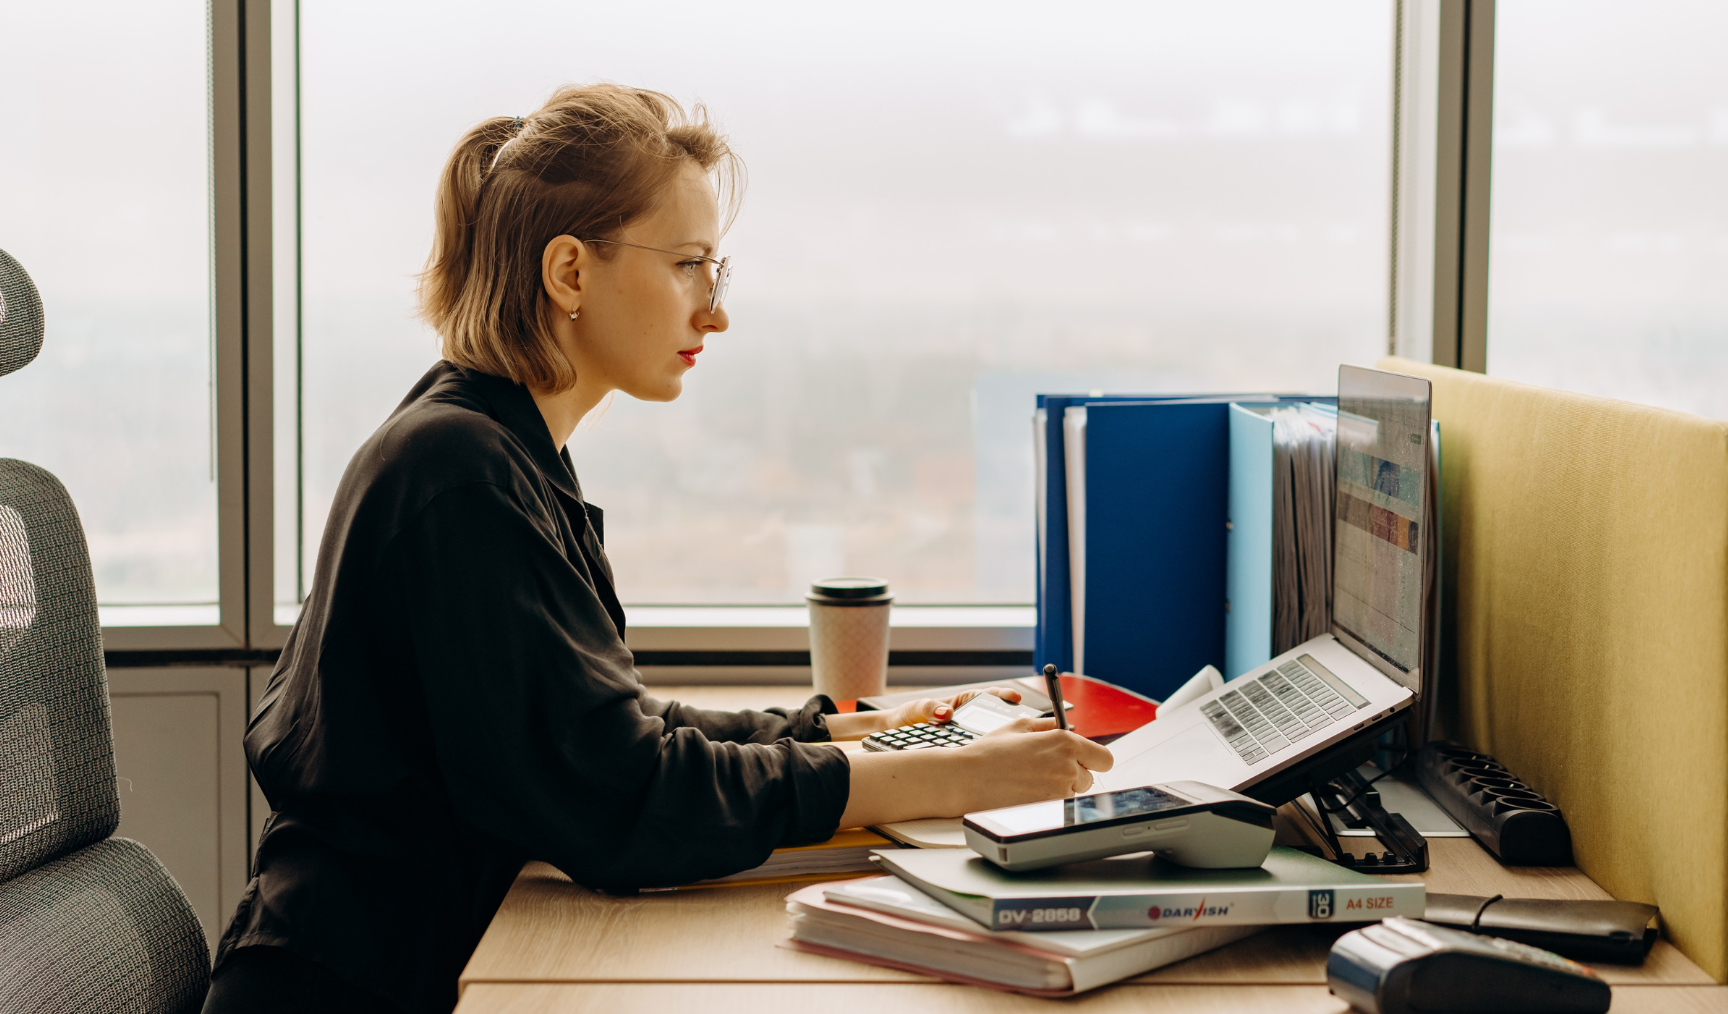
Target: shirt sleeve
[
  {"x": 808, "y": 724},
  {"x": 538, "y": 728}
]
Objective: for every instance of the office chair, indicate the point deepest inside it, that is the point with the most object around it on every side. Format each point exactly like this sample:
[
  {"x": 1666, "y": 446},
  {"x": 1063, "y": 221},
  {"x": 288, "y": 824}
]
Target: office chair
[{"x": 88, "y": 922}]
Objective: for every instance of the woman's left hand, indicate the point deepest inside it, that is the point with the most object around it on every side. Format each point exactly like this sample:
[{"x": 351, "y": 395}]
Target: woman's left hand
[
  {"x": 935, "y": 710},
  {"x": 939, "y": 711}
]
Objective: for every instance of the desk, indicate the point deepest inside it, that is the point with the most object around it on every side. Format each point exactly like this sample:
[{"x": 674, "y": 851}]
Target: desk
[{"x": 556, "y": 947}]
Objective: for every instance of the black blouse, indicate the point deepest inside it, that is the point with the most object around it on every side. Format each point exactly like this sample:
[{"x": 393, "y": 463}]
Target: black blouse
[{"x": 457, "y": 699}]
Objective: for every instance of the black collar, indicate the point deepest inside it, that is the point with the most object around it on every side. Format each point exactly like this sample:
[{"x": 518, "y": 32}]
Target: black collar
[{"x": 513, "y": 406}]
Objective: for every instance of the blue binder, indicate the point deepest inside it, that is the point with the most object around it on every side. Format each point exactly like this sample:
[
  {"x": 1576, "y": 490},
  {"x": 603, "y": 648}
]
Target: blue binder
[
  {"x": 1054, "y": 638},
  {"x": 1157, "y": 479}
]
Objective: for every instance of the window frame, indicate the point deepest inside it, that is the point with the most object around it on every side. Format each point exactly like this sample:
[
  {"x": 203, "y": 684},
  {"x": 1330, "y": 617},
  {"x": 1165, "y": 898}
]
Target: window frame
[{"x": 1442, "y": 102}]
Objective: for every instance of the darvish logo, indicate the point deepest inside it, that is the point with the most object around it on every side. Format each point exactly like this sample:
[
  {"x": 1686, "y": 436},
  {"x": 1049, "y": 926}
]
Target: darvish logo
[{"x": 1195, "y": 912}]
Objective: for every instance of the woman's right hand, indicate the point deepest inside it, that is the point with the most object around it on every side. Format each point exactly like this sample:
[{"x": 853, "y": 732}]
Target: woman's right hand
[{"x": 1026, "y": 761}]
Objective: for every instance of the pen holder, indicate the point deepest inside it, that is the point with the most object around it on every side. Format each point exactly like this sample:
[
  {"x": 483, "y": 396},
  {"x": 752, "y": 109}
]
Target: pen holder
[
  {"x": 849, "y": 636},
  {"x": 1509, "y": 818}
]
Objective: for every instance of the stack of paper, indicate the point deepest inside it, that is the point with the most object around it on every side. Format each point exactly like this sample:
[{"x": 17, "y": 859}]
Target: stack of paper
[
  {"x": 1302, "y": 467},
  {"x": 885, "y": 921}
]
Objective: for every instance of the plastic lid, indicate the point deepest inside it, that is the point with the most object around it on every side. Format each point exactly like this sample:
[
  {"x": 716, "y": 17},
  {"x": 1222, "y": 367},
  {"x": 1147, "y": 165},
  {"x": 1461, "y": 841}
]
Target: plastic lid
[{"x": 849, "y": 588}]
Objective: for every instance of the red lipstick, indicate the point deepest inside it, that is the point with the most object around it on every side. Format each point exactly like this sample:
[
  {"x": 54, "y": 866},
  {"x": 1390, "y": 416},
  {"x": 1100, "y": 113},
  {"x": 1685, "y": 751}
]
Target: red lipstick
[{"x": 689, "y": 355}]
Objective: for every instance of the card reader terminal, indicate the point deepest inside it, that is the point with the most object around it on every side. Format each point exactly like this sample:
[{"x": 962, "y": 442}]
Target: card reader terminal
[
  {"x": 1406, "y": 966},
  {"x": 979, "y": 716},
  {"x": 1190, "y": 823}
]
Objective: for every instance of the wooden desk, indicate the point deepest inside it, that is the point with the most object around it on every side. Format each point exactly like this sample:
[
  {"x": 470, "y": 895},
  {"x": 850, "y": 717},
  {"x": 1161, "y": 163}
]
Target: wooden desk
[{"x": 556, "y": 947}]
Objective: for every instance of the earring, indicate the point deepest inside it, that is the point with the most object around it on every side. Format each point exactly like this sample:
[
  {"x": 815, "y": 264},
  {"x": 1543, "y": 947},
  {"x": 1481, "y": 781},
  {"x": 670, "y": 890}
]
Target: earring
[{"x": 575, "y": 313}]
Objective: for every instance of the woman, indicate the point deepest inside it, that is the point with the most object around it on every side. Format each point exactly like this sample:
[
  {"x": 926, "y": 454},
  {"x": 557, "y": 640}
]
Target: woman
[{"x": 456, "y": 698}]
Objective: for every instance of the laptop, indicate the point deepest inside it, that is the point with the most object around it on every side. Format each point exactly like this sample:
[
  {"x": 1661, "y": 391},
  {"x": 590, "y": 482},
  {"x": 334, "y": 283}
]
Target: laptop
[{"x": 1309, "y": 705}]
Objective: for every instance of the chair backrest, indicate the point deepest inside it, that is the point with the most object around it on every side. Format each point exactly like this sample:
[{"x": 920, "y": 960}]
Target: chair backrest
[
  {"x": 21, "y": 324},
  {"x": 87, "y": 922},
  {"x": 57, "y": 789},
  {"x": 1586, "y": 585}
]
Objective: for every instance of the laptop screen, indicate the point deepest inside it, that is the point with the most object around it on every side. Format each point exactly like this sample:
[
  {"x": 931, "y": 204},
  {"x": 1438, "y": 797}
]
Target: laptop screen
[{"x": 1378, "y": 522}]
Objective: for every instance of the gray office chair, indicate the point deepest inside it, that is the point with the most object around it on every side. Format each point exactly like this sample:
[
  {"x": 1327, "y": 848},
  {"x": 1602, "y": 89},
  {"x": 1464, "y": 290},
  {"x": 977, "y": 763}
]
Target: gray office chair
[{"x": 88, "y": 923}]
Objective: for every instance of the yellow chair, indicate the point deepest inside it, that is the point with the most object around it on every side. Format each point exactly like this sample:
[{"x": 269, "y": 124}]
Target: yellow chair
[{"x": 1586, "y": 598}]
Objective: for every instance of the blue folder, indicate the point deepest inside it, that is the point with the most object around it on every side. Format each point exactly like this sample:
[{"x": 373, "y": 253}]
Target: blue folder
[{"x": 1248, "y": 578}]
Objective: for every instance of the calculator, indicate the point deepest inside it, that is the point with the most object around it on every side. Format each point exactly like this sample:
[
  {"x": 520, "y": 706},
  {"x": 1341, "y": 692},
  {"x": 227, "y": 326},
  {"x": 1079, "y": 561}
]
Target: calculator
[{"x": 979, "y": 716}]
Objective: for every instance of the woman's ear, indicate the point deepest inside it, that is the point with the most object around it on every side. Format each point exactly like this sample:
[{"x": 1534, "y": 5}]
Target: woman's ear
[{"x": 560, "y": 272}]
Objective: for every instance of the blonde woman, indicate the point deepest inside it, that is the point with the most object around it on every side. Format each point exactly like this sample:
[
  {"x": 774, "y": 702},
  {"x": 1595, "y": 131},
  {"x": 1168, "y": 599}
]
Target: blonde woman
[{"x": 456, "y": 698}]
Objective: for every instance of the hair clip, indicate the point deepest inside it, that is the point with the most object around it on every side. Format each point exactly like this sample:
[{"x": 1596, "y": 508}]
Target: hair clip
[{"x": 516, "y": 127}]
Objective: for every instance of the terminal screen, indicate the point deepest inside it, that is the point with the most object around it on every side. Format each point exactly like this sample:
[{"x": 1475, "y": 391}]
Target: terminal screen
[{"x": 1081, "y": 810}]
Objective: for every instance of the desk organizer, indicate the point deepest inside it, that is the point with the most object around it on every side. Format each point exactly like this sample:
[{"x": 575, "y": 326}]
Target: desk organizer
[{"x": 1509, "y": 818}]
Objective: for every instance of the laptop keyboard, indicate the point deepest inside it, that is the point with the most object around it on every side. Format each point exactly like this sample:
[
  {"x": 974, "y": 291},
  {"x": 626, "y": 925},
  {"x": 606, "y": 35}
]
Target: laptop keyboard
[{"x": 1260, "y": 716}]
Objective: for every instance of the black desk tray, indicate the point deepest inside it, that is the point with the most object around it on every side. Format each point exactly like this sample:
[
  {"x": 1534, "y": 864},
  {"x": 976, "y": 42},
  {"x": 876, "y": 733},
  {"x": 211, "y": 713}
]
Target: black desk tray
[{"x": 1509, "y": 818}]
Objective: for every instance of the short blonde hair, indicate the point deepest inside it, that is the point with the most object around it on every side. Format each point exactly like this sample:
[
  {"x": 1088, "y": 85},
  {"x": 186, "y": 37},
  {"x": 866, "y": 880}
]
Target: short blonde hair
[{"x": 587, "y": 163}]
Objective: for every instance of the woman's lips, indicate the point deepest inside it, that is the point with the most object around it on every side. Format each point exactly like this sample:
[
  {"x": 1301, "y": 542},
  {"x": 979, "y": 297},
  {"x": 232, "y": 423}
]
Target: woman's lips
[{"x": 689, "y": 355}]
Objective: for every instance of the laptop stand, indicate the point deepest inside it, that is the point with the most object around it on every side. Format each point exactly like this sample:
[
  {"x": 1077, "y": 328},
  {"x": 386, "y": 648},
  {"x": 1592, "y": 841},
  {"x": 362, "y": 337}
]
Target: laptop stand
[{"x": 1330, "y": 777}]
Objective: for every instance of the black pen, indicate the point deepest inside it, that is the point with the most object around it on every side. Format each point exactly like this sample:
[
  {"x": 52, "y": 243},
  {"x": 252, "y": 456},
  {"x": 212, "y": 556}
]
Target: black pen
[{"x": 1053, "y": 683}]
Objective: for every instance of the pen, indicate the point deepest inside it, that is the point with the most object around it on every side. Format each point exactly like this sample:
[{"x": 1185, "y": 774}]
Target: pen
[{"x": 1053, "y": 683}]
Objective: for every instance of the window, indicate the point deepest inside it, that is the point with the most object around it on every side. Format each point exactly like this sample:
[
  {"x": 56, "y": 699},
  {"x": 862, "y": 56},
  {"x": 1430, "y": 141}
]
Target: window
[
  {"x": 1610, "y": 224},
  {"x": 105, "y": 198},
  {"x": 951, "y": 207}
]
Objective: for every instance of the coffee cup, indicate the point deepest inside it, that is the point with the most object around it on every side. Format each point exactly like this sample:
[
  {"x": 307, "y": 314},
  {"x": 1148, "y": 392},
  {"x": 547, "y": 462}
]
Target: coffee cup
[{"x": 849, "y": 636}]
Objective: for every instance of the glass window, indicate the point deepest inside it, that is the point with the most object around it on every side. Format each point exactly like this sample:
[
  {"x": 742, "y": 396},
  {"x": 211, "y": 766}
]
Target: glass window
[
  {"x": 287, "y": 502},
  {"x": 1609, "y": 236},
  {"x": 105, "y": 200},
  {"x": 951, "y": 207}
]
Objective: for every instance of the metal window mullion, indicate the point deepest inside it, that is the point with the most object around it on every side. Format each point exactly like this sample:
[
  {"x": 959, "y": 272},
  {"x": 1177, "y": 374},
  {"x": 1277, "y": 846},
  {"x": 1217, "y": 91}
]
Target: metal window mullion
[
  {"x": 1444, "y": 123},
  {"x": 228, "y": 181},
  {"x": 1476, "y": 172},
  {"x": 259, "y": 338}
]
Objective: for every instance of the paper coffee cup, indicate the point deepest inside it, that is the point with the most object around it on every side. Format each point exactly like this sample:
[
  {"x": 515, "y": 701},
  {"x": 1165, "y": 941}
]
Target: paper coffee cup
[{"x": 849, "y": 636}]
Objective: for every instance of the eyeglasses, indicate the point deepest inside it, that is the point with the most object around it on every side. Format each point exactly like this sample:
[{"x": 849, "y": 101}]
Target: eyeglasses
[{"x": 722, "y": 276}]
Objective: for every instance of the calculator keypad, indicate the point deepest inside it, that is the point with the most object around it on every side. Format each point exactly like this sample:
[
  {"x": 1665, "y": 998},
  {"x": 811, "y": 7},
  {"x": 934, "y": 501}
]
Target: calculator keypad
[{"x": 922, "y": 736}]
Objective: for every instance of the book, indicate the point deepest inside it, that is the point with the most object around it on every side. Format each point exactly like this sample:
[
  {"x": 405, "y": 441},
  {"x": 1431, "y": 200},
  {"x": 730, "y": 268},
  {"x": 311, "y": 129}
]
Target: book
[
  {"x": 1140, "y": 891},
  {"x": 925, "y": 833},
  {"x": 850, "y": 851},
  {"x": 884, "y": 921}
]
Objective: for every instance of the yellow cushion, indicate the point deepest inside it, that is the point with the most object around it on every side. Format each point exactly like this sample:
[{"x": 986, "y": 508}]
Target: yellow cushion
[{"x": 1586, "y": 570}]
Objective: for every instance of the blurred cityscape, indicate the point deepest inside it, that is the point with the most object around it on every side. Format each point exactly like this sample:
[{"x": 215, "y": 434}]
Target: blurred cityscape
[{"x": 1156, "y": 198}]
